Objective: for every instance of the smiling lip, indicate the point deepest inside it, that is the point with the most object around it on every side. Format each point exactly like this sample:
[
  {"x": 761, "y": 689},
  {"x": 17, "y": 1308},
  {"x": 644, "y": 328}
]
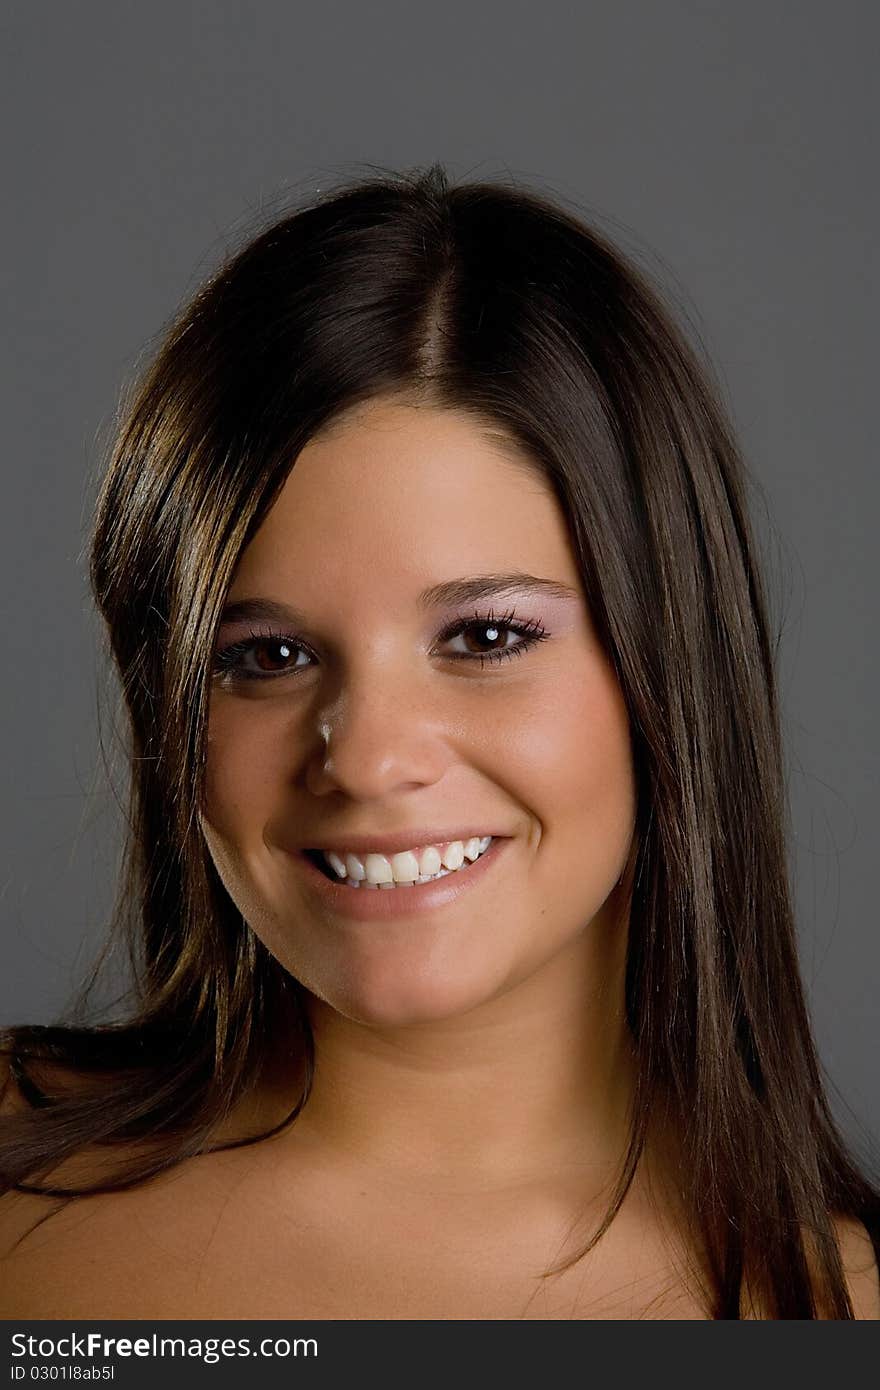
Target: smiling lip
[
  {"x": 383, "y": 904},
  {"x": 396, "y": 844}
]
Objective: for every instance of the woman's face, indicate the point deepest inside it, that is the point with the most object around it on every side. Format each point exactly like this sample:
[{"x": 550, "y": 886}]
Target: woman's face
[{"x": 370, "y": 715}]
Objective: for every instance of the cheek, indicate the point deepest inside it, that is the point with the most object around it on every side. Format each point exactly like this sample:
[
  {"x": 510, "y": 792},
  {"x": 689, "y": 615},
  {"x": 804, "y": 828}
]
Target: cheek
[
  {"x": 244, "y": 775},
  {"x": 241, "y": 755},
  {"x": 572, "y": 755}
]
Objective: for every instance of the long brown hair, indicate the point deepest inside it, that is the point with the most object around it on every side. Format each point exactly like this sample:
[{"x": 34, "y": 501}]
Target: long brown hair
[{"x": 495, "y": 300}]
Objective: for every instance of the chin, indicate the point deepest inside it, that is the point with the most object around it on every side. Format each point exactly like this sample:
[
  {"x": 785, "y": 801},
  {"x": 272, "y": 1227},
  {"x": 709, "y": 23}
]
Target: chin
[{"x": 404, "y": 999}]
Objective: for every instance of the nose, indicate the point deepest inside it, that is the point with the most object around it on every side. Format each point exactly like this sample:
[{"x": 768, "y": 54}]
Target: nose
[{"x": 381, "y": 736}]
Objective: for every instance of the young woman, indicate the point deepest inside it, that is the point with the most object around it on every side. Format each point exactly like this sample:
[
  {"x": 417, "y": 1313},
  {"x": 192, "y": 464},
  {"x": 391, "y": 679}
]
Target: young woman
[{"x": 456, "y": 884}]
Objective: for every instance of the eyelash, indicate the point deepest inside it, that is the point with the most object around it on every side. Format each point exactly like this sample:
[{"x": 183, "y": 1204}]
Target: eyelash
[{"x": 228, "y": 667}]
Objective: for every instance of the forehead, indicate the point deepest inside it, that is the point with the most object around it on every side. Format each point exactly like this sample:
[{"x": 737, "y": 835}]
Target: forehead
[{"x": 394, "y": 496}]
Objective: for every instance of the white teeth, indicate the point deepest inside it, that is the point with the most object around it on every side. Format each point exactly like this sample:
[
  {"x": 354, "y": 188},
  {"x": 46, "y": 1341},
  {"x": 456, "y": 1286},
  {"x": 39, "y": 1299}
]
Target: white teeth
[
  {"x": 355, "y": 867},
  {"x": 378, "y": 869},
  {"x": 429, "y": 861},
  {"x": 407, "y": 867},
  {"x": 337, "y": 864},
  {"x": 453, "y": 855}
]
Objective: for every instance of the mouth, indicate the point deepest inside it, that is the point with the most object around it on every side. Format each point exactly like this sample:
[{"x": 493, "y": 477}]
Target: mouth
[
  {"x": 435, "y": 862},
  {"x": 383, "y": 901}
]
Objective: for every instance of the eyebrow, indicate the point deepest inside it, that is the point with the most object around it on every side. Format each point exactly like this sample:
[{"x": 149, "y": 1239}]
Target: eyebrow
[{"x": 447, "y": 594}]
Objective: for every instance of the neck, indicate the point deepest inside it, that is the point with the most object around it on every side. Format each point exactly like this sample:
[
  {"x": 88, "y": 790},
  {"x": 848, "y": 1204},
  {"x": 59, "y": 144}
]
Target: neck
[{"x": 537, "y": 1080}]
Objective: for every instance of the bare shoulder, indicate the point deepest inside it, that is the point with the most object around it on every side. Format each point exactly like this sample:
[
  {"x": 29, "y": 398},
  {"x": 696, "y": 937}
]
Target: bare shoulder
[
  {"x": 112, "y": 1250},
  {"x": 21, "y": 1212},
  {"x": 859, "y": 1266}
]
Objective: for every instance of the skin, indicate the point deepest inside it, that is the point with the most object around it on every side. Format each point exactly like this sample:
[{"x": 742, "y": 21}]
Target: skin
[{"x": 486, "y": 1039}]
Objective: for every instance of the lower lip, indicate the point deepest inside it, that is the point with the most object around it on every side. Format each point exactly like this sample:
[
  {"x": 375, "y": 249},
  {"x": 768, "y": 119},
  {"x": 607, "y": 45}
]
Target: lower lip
[{"x": 384, "y": 904}]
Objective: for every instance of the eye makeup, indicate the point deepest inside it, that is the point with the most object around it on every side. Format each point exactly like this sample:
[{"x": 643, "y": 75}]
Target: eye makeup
[{"x": 231, "y": 662}]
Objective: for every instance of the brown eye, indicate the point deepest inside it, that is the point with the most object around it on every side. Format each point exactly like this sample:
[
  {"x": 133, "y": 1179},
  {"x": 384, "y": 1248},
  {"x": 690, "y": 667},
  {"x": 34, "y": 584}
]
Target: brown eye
[
  {"x": 270, "y": 655},
  {"x": 487, "y": 638},
  {"x": 485, "y": 634},
  {"x": 258, "y": 657}
]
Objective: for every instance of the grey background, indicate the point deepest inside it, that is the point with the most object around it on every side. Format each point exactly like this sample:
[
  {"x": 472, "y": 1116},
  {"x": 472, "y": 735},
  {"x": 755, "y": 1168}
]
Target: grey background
[{"x": 728, "y": 146}]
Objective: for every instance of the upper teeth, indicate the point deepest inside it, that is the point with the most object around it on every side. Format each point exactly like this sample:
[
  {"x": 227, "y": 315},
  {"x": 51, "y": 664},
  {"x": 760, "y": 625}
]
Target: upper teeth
[{"x": 410, "y": 865}]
